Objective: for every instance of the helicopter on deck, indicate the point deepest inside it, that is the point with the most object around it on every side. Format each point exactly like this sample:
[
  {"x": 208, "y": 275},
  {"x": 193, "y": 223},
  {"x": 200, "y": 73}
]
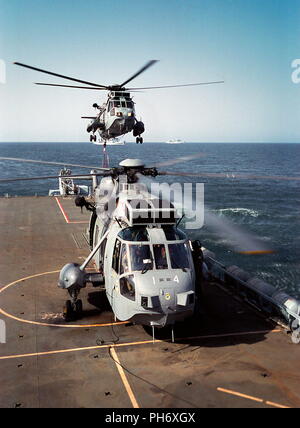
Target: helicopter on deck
[
  {"x": 145, "y": 262},
  {"x": 151, "y": 271},
  {"x": 117, "y": 115}
]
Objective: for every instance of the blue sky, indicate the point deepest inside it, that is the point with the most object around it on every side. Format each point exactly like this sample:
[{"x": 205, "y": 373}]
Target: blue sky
[{"x": 248, "y": 43}]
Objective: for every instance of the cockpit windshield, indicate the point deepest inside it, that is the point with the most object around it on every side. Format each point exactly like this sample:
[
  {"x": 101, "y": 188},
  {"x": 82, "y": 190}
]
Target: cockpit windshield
[
  {"x": 160, "y": 256},
  {"x": 119, "y": 103},
  {"x": 141, "y": 258},
  {"x": 136, "y": 252},
  {"x": 179, "y": 256}
]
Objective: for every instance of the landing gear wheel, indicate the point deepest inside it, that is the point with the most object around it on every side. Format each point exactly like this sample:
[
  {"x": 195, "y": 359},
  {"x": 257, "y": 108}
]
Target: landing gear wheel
[
  {"x": 68, "y": 313},
  {"x": 137, "y": 140},
  {"x": 141, "y": 140},
  {"x": 79, "y": 309}
]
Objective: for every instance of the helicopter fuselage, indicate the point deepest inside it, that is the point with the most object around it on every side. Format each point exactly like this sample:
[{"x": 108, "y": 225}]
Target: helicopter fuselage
[
  {"x": 116, "y": 117},
  {"x": 150, "y": 271},
  {"x": 148, "y": 268}
]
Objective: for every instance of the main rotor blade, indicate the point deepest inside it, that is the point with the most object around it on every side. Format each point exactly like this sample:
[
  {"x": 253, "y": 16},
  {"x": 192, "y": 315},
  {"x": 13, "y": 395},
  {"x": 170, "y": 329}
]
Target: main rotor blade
[
  {"x": 149, "y": 63},
  {"x": 181, "y": 159},
  {"x": 229, "y": 175},
  {"x": 80, "y": 176},
  {"x": 53, "y": 163},
  {"x": 70, "y": 86},
  {"x": 178, "y": 86},
  {"x": 59, "y": 75}
]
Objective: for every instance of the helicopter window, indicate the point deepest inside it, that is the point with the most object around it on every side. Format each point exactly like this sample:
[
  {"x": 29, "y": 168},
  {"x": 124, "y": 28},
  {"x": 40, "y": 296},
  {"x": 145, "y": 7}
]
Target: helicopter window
[
  {"x": 179, "y": 256},
  {"x": 124, "y": 265},
  {"x": 117, "y": 104},
  {"x": 116, "y": 256},
  {"x": 173, "y": 234},
  {"x": 129, "y": 104},
  {"x": 123, "y": 103},
  {"x": 141, "y": 258},
  {"x": 134, "y": 234},
  {"x": 127, "y": 287},
  {"x": 160, "y": 256},
  {"x": 110, "y": 106}
]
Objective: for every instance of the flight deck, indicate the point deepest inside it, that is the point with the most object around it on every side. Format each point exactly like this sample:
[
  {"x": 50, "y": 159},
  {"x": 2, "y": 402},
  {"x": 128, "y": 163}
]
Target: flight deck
[{"x": 230, "y": 355}]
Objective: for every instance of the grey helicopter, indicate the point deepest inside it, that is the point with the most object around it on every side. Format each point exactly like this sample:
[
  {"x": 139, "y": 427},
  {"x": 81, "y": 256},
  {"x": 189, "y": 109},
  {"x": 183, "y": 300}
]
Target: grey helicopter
[
  {"x": 151, "y": 272},
  {"x": 144, "y": 261},
  {"x": 117, "y": 116}
]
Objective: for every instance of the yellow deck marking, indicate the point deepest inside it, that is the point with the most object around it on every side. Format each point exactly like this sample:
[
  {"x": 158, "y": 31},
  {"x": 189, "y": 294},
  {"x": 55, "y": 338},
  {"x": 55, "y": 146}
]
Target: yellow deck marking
[
  {"x": 144, "y": 342},
  {"x": 124, "y": 379},
  {"x": 250, "y": 397},
  {"x": 64, "y": 351},
  {"x": 280, "y": 406},
  {"x": 238, "y": 394},
  {"x": 44, "y": 323}
]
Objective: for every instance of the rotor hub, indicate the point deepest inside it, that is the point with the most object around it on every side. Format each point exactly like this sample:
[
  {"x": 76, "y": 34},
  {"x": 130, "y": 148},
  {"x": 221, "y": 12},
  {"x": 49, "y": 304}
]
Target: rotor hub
[{"x": 132, "y": 163}]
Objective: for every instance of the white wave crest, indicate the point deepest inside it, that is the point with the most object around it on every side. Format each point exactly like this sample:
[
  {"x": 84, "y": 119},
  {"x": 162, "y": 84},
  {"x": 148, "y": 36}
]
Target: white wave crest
[{"x": 242, "y": 211}]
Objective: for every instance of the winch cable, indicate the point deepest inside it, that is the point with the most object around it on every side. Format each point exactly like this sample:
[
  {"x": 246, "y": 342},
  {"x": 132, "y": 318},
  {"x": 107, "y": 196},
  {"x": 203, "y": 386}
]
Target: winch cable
[{"x": 105, "y": 160}]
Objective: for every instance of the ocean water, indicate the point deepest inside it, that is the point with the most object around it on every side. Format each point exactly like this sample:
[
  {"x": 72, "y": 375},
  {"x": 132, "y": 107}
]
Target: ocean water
[{"x": 270, "y": 208}]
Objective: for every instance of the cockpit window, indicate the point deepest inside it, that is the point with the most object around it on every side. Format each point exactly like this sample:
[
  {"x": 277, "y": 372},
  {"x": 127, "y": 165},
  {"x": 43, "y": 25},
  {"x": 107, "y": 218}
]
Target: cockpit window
[
  {"x": 127, "y": 287},
  {"x": 173, "y": 234},
  {"x": 116, "y": 256},
  {"x": 179, "y": 256},
  {"x": 137, "y": 234},
  {"x": 160, "y": 256},
  {"x": 124, "y": 263},
  {"x": 129, "y": 104},
  {"x": 141, "y": 258},
  {"x": 117, "y": 103}
]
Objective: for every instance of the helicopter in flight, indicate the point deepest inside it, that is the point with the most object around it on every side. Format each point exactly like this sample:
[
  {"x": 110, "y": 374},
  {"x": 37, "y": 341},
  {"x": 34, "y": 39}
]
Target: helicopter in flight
[{"x": 117, "y": 116}]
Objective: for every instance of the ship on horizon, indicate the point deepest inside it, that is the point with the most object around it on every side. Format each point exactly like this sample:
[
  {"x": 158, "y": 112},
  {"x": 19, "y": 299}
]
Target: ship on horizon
[{"x": 174, "y": 141}]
